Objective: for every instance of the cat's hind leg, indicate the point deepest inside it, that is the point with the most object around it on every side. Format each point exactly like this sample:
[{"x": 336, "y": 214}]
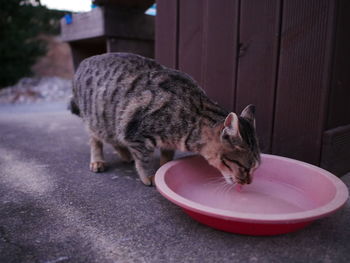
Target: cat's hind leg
[
  {"x": 97, "y": 162},
  {"x": 166, "y": 156}
]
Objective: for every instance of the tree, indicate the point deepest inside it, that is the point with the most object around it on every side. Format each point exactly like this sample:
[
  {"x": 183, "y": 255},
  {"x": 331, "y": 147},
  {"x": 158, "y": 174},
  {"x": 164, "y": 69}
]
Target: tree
[{"x": 21, "y": 22}]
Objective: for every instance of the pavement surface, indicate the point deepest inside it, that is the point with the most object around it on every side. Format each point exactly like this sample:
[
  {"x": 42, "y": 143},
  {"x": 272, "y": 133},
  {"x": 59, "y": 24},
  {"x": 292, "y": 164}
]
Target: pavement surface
[{"x": 52, "y": 209}]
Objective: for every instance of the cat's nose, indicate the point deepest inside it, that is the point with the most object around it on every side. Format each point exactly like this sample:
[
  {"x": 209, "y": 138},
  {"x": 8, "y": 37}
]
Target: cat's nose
[
  {"x": 249, "y": 179},
  {"x": 245, "y": 180}
]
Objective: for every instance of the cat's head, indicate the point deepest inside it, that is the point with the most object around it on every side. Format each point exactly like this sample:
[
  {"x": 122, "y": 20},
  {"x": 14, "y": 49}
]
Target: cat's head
[{"x": 239, "y": 154}]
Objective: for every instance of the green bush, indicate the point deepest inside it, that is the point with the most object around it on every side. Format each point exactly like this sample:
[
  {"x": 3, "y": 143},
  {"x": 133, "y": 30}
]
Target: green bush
[{"x": 21, "y": 22}]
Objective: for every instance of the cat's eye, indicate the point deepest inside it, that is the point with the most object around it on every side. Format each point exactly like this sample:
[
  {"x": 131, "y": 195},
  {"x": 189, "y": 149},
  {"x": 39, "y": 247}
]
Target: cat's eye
[
  {"x": 224, "y": 162},
  {"x": 224, "y": 159}
]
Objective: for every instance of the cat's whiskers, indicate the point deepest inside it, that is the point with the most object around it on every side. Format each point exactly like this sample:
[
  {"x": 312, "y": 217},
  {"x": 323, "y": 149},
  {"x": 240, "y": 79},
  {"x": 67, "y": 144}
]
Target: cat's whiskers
[
  {"x": 228, "y": 189},
  {"x": 222, "y": 187},
  {"x": 211, "y": 180}
]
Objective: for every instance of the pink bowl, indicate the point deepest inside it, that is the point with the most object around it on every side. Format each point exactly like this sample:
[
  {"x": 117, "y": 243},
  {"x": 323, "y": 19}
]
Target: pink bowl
[{"x": 285, "y": 195}]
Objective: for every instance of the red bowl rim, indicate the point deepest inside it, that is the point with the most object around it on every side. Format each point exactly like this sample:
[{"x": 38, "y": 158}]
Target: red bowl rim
[{"x": 336, "y": 203}]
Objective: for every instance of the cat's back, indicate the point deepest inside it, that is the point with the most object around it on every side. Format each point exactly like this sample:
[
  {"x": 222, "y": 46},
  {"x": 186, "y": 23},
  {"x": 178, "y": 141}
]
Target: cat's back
[
  {"x": 126, "y": 75},
  {"x": 114, "y": 64},
  {"x": 107, "y": 77}
]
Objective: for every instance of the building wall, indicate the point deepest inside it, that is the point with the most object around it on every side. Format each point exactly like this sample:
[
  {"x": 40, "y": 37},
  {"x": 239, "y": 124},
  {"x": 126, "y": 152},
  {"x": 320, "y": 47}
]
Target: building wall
[{"x": 276, "y": 54}]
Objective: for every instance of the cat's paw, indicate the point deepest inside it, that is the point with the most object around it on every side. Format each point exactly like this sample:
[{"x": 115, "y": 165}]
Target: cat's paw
[
  {"x": 148, "y": 181},
  {"x": 97, "y": 167}
]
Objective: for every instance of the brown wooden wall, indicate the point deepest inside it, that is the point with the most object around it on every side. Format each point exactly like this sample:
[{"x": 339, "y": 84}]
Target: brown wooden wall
[
  {"x": 303, "y": 78},
  {"x": 277, "y": 54}
]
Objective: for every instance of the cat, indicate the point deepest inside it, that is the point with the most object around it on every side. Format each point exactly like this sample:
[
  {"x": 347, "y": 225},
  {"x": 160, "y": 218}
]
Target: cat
[{"x": 137, "y": 105}]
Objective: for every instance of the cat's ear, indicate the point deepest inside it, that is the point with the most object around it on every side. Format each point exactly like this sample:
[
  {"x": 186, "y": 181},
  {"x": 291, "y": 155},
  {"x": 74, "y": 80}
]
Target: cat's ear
[
  {"x": 249, "y": 114},
  {"x": 231, "y": 125}
]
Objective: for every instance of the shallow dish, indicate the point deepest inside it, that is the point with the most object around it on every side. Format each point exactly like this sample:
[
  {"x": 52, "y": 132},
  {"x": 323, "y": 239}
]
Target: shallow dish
[{"x": 285, "y": 195}]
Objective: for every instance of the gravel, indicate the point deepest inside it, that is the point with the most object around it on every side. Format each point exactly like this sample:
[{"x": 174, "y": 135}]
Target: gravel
[{"x": 37, "y": 89}]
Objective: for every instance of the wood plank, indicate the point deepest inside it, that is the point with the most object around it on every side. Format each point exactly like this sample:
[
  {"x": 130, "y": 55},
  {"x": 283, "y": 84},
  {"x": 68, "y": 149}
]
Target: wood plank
[
  {"x": 84, "y": 25},
  {"x": 142, "y": 47},
  {"x": 300, "y": 103},
  {"x": 191, "y": 37},
  {"x": 258, "y": 60},
  {"x": 128, "y": 23},
  {"x": 336, "y": 150},
  {"x": 166, "y": 35},
  {"x": 339, "y": 97},
  {"x": 219, "y": 50},
  {"x": 86, "y": 48},
  {"x": 141, "y": 5}
]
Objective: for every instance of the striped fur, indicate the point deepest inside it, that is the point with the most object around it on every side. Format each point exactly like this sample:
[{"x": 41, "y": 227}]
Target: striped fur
[{"x": 138, "y": 105}]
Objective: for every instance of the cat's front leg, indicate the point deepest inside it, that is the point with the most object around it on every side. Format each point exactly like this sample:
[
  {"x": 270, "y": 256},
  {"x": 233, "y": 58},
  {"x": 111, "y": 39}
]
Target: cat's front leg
[
  {"x": 142, "y": 157},
  {"x": 97, "y": 162}
]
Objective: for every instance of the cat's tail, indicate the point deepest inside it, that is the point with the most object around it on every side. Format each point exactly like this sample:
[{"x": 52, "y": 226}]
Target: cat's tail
[{"x": 73, "y": 107}]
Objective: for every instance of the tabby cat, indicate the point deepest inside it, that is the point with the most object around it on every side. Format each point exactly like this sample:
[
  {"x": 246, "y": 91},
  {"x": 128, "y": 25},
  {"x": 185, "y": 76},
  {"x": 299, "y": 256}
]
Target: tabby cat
[{"x": 138, "y": 105}]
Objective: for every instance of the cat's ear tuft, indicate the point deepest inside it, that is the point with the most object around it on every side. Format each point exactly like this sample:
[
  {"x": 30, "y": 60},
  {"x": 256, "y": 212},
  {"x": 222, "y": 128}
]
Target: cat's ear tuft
[
  {"x": 231, "y": 125},
  {"x": 249, "y": 113}
]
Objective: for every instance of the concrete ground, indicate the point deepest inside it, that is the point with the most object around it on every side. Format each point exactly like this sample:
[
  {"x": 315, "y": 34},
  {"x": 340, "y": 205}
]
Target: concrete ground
[{"x": 52, "y": 209}]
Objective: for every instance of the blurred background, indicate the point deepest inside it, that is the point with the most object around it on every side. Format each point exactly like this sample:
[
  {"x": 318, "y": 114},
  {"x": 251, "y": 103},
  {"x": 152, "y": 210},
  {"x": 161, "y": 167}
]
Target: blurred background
[
  {"x": 35, "y": 58},
  {"x": 31, "y": 51}
]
